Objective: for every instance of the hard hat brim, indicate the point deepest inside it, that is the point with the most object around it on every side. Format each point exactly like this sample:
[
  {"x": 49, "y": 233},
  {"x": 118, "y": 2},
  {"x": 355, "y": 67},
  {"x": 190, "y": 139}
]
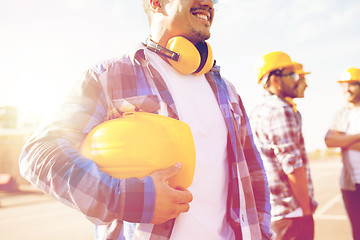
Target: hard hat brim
[
  {"x": 296, "y": 65},
  {"x": 347, "y": 81}
]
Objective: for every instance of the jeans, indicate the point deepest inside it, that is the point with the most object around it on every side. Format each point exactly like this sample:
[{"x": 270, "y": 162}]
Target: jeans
[{"x": 351, "y": 202}]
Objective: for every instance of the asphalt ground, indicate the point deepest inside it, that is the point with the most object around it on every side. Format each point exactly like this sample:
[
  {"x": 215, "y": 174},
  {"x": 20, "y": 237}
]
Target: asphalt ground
[
  {"x": 29, "y": 214},
  {"x": 331, "y": 222}
]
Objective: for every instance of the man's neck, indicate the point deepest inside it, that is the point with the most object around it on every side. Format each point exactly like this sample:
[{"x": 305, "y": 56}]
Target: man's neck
[{"x": 354, "y": 105}]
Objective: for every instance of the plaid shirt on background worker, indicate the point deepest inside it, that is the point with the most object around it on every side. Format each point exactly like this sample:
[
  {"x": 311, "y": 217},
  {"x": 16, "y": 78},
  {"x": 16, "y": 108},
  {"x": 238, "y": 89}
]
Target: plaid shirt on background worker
[
  {"x": 278, "y": 134},
  {"x": 51, "y": 161}
]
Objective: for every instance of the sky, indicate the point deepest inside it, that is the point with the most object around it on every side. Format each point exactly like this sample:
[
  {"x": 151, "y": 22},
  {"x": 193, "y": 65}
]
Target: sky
[{"x": 46, "y": 46}]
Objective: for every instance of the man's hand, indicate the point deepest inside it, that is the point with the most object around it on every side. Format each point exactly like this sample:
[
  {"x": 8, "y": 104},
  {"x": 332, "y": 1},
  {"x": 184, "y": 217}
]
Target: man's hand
[{"x": 169, "y": 202}]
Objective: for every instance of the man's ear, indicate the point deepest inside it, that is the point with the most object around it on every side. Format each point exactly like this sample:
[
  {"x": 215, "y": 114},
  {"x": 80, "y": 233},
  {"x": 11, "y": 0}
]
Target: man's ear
[
  {"x": 274, "y": 80},
  {"x": 155, "y": 5},
  {"x": 275, "y": 83}
]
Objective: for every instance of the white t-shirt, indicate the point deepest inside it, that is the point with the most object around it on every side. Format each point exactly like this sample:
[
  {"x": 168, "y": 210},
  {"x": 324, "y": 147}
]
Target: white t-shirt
[
  {"x": 354, "y": 128},
  {"x": 347, "y": 120},
  {"x": 197, "y": 106}
]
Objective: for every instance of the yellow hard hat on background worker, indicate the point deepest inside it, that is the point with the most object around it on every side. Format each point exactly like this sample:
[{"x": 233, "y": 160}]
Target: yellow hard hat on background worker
[
  {"x": 272, "y": 61},
  {"x": 350, "y": 75},
  {"x": 139, "y": 143}
]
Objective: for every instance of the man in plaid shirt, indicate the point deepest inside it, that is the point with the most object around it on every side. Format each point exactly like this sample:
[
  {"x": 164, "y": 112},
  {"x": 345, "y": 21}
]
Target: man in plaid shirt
[
  {"x": 229, "y": 197},
  {"x": 278, "y": 135}
]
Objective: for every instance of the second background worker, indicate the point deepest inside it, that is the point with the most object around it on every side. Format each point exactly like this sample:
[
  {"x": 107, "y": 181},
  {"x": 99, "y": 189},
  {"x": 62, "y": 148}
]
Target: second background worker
[{"x": 278, "y": 134}]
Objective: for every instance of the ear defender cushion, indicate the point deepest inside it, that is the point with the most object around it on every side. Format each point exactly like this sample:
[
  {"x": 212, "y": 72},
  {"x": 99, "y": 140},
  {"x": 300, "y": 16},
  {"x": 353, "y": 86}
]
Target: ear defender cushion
[
  {"x": 193, "y": 59},
  {"x": 207, "y": 60}
]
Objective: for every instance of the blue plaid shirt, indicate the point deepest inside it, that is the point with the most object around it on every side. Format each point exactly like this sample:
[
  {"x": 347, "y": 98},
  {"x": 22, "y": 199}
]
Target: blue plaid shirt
[
  {"x": 124, "y": 207},
  {"x": 278, "y": 135}
]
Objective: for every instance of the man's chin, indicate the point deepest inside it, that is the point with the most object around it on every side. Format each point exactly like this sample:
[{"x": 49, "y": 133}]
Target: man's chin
[
  {"x": 200, "y": 37},
  {"x": 292, "y": 95}
]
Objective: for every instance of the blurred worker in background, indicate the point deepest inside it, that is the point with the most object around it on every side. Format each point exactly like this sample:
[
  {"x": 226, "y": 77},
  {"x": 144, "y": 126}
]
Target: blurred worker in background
[
  {"x": 345, "y": 133},
  {"x": 278, "y": 135},
  {"x": 229, "y": 197}
]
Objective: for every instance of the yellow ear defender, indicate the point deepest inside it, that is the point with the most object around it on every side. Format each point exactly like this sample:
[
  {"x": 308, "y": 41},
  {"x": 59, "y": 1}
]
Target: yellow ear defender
[
  {"x": 139, "y": 143},
  {"x": 184, "y": 56}
]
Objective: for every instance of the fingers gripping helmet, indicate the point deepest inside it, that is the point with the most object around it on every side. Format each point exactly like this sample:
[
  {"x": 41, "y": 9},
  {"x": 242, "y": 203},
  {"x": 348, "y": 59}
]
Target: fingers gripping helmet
[
  {"x": 139, "y": 143},
  {"x": 272, "y": 61}
]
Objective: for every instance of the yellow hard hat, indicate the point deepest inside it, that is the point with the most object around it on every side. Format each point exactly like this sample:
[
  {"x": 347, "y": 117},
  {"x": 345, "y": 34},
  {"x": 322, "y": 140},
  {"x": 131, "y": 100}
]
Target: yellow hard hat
[
  {"x": 350, "y": 75},
  {"x": 272, "y": 61},
  {"x": 301, "y": 71},
  {"x": 139, "y": 143}
]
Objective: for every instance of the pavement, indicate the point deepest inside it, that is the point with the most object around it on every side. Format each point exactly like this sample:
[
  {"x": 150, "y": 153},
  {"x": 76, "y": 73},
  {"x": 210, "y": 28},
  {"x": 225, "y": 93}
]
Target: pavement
[
  {"x": 29, "y": 214},
  {"x": 331, "y": 222}
]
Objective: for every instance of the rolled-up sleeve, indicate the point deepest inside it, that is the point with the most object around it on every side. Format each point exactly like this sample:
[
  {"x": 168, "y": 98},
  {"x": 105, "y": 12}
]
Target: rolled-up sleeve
[{"x": 285, "y": 133}]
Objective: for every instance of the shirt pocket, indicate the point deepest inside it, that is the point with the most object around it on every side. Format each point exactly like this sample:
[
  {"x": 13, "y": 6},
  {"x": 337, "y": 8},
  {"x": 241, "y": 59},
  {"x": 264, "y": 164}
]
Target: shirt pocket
[{"x": 145, "y": 103}]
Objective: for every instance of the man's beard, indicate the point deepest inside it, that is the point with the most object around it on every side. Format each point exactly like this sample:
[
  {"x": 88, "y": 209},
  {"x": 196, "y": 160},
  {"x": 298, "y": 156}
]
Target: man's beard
[
  {"x": 200, "y": 36},
  {"x": 287, "y": 92}
]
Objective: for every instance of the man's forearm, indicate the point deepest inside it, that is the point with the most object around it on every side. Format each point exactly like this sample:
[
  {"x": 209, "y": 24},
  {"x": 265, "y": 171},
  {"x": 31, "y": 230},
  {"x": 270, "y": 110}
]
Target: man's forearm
[
  {"x": 354, "y": 146},
  {"x": 340, "y": 139},
  {"x": 299, "y": 186}
]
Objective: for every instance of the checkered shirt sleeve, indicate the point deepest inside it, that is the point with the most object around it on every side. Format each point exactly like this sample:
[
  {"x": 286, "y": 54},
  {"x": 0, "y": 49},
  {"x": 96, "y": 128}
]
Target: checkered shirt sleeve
[
  {"x": 51, "y": 161},
  {"x": 278, "y": 136}
]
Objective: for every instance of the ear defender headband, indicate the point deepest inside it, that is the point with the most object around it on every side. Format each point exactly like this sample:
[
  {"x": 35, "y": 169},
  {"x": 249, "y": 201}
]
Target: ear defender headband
[{"x": 184, "y": 56}]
